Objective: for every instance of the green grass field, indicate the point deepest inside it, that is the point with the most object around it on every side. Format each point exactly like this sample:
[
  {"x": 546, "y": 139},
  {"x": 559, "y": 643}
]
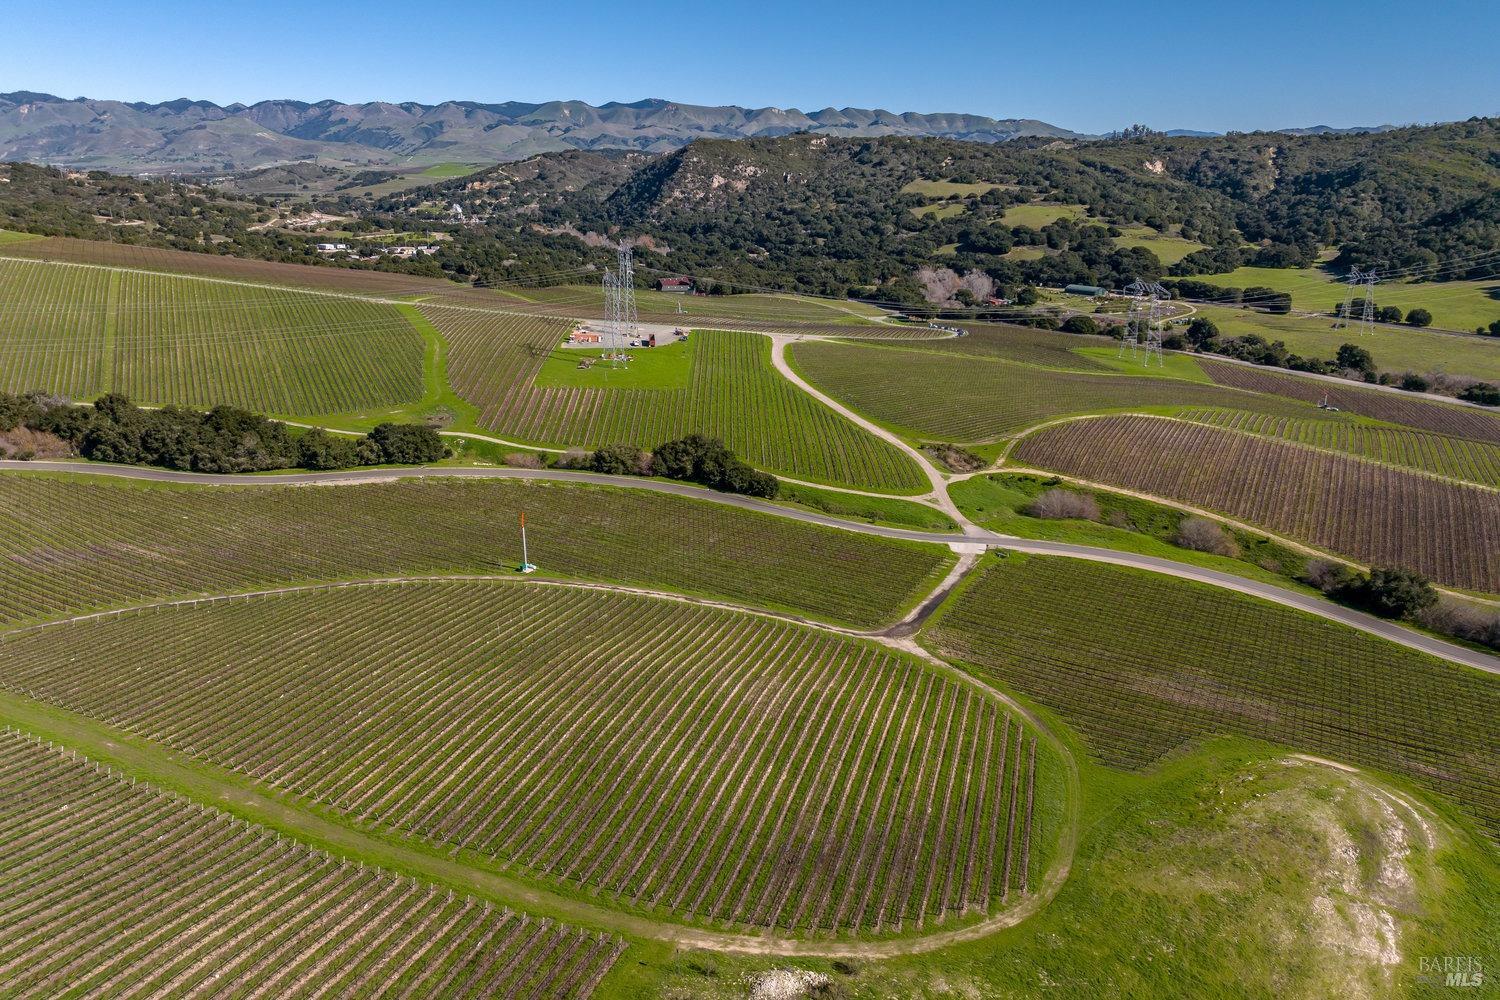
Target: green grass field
[
  {"x": 872, "y": 510},
  {"x": 938, "y": 395},
  {"x": 1039, "y": 214},
  {"x": 1140, "y": 664},
  {"x": 1000, "y": 502},
  {"x": 8, "y": 237},
  {"x": 1168, "y": 249},
  {"x": 942, "y": 210},
  {"x": 82, "y": 331},
  {"x": 104, "y": 544},
  {"x": 451, "y": 169},
  {"x": 734, "y": 394},
  {"x": 723, "y": 767},
  {"x": 1213, "y": 877},
  {"x": 943, "y": 189},
  {"x": 667, "y": 367},
  {"x": 1395, "y": 349},
  {"x": 1376, "y": 514},
  {"x": 1455, "y": 305},
  {"x": 116, "y": 889}
]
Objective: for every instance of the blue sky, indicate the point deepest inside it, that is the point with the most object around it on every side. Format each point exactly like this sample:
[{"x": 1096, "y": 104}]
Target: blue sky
[{"x": 1088, "y": 66}]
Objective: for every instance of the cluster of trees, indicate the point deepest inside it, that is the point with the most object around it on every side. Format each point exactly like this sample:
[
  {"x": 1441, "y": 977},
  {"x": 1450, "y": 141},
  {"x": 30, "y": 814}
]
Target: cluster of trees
[
  {"x": 1387, "y": 591},
  {"x": 1258, "y": 297},
  {"x": 223, "y": 439},
  {"x": 694, "y": 459}
]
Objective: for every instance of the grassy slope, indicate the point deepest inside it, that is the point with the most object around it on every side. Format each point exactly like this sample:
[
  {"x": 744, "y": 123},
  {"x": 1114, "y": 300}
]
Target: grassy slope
[
  {"x": 998, "y": 502},
  {"x": 872, "y": 510},
  {"x": 1168, "y": 249},
  {"x": 1455, "y": 305},
  {"x": 1197, "y": 880},
  {"x": 1039, "y": 214},
  {"x": 1395, "y": 349}
]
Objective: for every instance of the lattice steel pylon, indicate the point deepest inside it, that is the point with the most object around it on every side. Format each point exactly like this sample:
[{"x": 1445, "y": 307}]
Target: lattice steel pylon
[
  {"x": 1357, "y": 279},
  {"x": 1146, "y": 313},
  {"x": 619, "y": 299}
]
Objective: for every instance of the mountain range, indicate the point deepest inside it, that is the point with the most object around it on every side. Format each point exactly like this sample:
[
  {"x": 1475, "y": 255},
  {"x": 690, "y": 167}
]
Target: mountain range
[{"x": 186, "y": 136}]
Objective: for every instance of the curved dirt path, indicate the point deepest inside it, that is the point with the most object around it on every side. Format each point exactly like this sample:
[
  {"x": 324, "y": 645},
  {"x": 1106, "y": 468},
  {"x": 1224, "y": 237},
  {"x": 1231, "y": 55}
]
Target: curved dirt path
[
  {"x": 939, "y": 495},
  {"x": 973, "y": 535},
  {"x": 276, "y": 809}
]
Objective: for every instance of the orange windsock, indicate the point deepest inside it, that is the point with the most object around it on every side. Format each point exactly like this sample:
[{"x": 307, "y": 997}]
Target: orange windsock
[{"x": 523, "y": 519}]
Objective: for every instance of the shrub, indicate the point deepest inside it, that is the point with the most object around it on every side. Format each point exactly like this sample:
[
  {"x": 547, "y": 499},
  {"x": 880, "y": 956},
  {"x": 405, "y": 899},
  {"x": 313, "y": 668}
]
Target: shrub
[
  {"x": 1203, "y": 535},
  {"x": 1419, "y": 317},
  {"x": 1079, "y": 324},
  {"x": 621, "y": 460},
  {"x": 1329, "y": 577},
  {"x": 1060, "y": 504},
  {"x": 521, "y": 460},
  {"x": 1482, "y": 393},
  {"x": 1412, "y": 382},
  {"x": 1463, "y": 621},
  {"x": 954, "y": 458},
  {"x": 1392, "y": 592}
]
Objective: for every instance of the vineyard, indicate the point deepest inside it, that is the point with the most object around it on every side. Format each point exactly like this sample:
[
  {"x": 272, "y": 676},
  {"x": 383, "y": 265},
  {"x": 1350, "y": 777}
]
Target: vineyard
[
  {"x": 52, "y": 329},
  {"x": 1373, "y": 513},
  {"x": 1024, "y": 345},
  {"x": 161, "y": 339},
  {"x": 123, "y": 255},
  {"x": 735, "y": 395},
  {"x": 1457, "y": 458},
  {"x": 938, "y": 394},
  {"x": 103, "y": 543},
  {"x": 117, "y": 889},
  {"x": 724, "y": 767},
  {"x": 1410, "y": 410},
  {"x": 1142, "y": 663}
]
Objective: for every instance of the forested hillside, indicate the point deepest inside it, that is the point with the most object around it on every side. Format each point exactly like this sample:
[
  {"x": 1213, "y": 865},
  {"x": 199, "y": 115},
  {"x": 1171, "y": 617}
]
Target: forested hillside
[{"x": 859, "y": 216}]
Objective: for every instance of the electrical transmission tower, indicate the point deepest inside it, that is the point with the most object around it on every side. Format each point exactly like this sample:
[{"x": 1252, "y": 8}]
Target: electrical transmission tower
[
  {"x": 619, "y": 301},
  {"x": 1146, "y": 313},
  {"x": 1358, "y": 279}
]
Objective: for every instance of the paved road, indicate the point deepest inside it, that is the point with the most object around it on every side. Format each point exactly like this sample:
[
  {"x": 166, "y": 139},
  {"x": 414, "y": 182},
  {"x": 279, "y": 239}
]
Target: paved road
[{"x": 1270, "y": 592}]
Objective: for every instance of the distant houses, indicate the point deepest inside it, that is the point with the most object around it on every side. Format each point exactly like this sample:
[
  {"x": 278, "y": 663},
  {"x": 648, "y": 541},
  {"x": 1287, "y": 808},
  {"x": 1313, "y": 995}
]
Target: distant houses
[
  {"x": 682, "y": 286},
  {"x": 333, "y": 247},
  {"x": 1093, "y": 291}
]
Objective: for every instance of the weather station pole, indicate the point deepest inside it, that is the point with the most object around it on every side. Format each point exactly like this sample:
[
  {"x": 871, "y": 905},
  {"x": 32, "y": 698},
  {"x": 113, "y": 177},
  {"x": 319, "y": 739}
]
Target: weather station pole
[{"x": 526, "y": 566}]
